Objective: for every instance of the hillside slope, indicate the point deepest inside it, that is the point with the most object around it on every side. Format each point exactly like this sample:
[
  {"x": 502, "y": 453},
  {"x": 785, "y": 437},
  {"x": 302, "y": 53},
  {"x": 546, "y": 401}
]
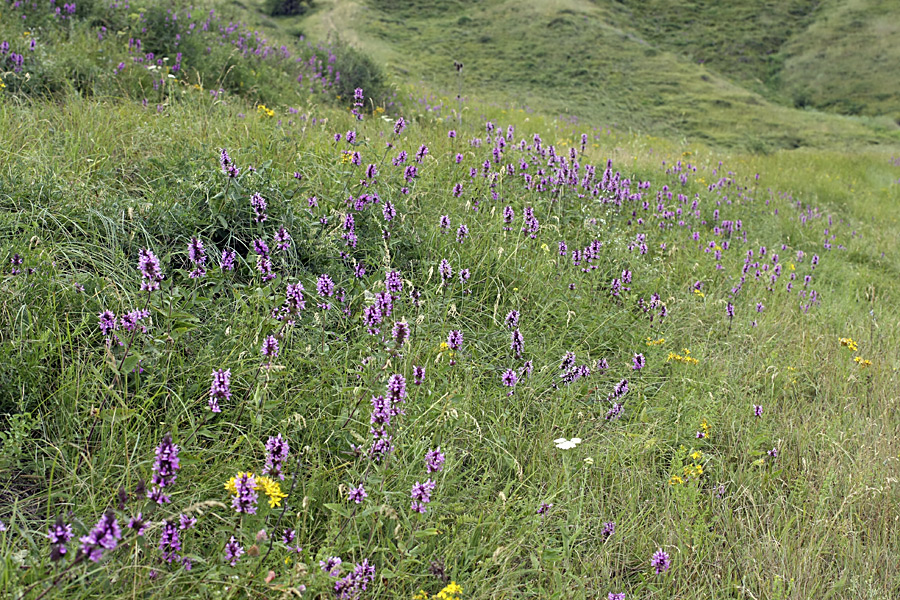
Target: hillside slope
[
  {"x": 848, "y": 60},
  {"x": 578, "y": 57}
]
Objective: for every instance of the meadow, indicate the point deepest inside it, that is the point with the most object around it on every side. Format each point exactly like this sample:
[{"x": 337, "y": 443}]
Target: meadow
[{"x": 274, "y": 323}]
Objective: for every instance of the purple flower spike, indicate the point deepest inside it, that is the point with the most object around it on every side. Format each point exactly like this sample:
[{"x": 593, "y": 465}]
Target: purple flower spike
[
  {"x": 151, "y": 272},
  {"x": 220, "y": 388},
  {"x": 357, "y": 494},
  {"x": 434, "y": 460},
  {"x": 233, "y": 551},
  {"x": 104, "y": 536},
  {"x": 660, "y": 561},
  {"x": 276, "y": 454},
  {"x": 164, "y": 469},
  {"x": 270, "y": 347}
]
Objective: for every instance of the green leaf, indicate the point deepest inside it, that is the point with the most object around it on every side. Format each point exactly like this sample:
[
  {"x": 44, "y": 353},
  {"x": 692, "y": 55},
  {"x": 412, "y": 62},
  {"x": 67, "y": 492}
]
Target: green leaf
[{"x": 339, "y": 509}]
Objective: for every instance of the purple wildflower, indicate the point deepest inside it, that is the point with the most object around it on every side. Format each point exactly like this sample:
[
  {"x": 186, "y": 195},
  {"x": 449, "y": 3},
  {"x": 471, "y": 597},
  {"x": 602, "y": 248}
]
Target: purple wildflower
[
  {"x": 197, "y": 256},
  {"x": 169, "y": 542},
  {"x": 276, "y": 454},
  {"x": 757, "y": 410},
  {"x": 639, "y": 362},
  {"x": 421, "y": 495},
  {"x": 185, "y": 522},
  {"x": 609, "y": 528},
  {"x": 258, "y": 203},
  {"x": 59, "y": 535},
  {"x": 444, "y": 223},
  {"x": 355, "y": 582},
  {"x": 288, "y": 537},
  {"x": 517, "y": 343},
  {"x": 220, "y": 388},
  {"x": 270, "y": 347},
  {"x": 399, "y": 126},
  {"x": 233, "y": 551},
  {"x": 455, "y": 340},
  {"x": 512, "y": 319},
  {"x": 331, "y": 566},
  {"x": 393, "y": 282},
  {"x": 104, "y": 536},
  {"x": 418, "y": 375},
  {"x": 357, "y": 494},
  {"x": 282, "y": 239},
  {"x": 164, "y": 468},
  {"x": 462, "y": 233},
  {"x": 509, "y": 379},
  {"x": 400, "y": 333},
  {"x": 150, "y": 270},
  {"x": 227, "y": 262},
  {"x": 245, "y": 499},
  {"x": 138, "y": 524},
  {"x": 773, "y": 453},
  {"x": 660, "y": 561},
  {"x": 434, "y": 460},
  {"x": 445, "y": 270},
  {"x": 544, "y": 508}
]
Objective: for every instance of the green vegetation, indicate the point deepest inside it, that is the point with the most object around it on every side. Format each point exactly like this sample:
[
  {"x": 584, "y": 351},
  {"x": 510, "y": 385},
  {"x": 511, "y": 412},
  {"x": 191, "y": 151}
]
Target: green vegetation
[
  {"x": 624, "y": 65},
  {"x": 733, "y": 376}
]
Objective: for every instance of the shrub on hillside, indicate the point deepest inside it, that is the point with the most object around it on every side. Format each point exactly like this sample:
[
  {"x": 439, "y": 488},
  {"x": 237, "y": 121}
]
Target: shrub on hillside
[{"x": 283, "y": 8}]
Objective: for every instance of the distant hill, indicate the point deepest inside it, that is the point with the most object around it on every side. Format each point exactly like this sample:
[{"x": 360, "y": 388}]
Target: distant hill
[{"x": 729, "y": 74}]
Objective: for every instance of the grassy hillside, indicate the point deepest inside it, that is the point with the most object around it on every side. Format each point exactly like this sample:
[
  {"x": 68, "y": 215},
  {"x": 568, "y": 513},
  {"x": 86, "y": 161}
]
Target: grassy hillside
[
  {"x": 297, "y": 351},
  {"x": 847, "y": 59},
  {"x": 608, "y": 63}
]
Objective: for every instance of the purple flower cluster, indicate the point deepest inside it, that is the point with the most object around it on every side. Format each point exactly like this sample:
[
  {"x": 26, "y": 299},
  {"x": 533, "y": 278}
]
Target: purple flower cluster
[
  {"x": 246, "y": 497},
  {"x": 233, "y": 551},
  {"x": 282, "y": 239},
  {"x": 227, "y": 262},
  {"x": 59, "y": 535},
  {"x": 151, "y": 272},
  {"x": 164, "y": 469},
  {"x": 660, "y": 561},
  {"x": 331, "y": 566},
  {"x": 263, "y": 259},
  {"x": 277, "y": 450},
  {"x": 228, "y": 166},
  {"x": 259, "y": 206},
  {"x": 269, "y": 348},
  {"x": 104, "y": 536},
  {"x": 418, "y": 375},
  {"x": 357, "y": 494},
  {"x": 421, "y": 495},
  {"x": 355, "y": 582},
  {"x": 220, "y": 389},
  {"x": 197, "y": 256},
  {"x": 170, "y": 542},
  {"x": 434, "y": 460}
]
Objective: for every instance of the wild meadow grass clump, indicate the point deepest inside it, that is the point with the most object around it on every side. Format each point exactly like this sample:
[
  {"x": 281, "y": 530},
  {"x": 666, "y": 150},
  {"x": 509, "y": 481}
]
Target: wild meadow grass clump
[{"x": 309, "y": 352}]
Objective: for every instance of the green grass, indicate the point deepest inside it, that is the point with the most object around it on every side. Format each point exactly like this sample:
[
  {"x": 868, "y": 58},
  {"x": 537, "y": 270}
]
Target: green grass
[
  {"x": 607, "y": 64},
  {"x": 88, "y": 180}
]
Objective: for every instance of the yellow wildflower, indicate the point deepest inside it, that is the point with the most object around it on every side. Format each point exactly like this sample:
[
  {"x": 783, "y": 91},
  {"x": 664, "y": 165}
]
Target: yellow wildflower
[
  {"x": 675, "y": 480},
  {"x": 850, "y": 344},
  {"x": 862, "y": 362},
  {"x": 422, "y": 595},
  {"x": 346, "y": 156},
  {"x": 272, "y": 489},
  {"x": 697, "y": 455},
  {"x": 652, "y": 342},
  {"x": 450, "y": 592},
  {"x": 265, "y": 111},
  {"x": 268, "y": 486}
]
